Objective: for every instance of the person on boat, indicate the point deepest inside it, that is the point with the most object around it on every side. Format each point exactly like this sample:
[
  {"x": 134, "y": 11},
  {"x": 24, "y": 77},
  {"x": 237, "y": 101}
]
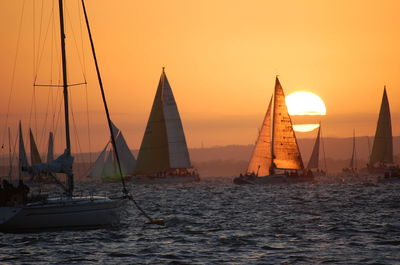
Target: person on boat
[{"x": 23, "y": 190}]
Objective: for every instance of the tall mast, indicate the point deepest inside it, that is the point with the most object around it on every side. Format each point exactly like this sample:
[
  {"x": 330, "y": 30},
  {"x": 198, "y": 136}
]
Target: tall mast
[{"x": 70, "y": 177}]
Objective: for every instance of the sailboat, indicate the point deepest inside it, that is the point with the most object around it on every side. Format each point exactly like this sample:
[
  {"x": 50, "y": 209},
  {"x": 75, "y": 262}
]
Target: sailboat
[
  {"x": 105, "y": 166},
  {"x": 381, "y": 161},
  {"x": 69, "y": 211},
  {"x": 163, "y": 155},
  {"x": 351, "y": 170},
  {"x": 276, "y": 156},
  {"x": 313, "y": 163}
]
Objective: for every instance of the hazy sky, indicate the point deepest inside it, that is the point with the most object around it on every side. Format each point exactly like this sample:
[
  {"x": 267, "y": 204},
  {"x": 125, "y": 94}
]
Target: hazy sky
[{"x": 221, "y": 58}]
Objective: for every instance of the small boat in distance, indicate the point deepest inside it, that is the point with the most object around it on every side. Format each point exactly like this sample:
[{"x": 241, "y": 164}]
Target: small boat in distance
[
  {"x": 276, "y": 157},
  {"x": 351, "y": 170},
  {"x": 163, "y": 155},
  {"x": 313, "y": 163},
  {"x": 381, "y": 162}
]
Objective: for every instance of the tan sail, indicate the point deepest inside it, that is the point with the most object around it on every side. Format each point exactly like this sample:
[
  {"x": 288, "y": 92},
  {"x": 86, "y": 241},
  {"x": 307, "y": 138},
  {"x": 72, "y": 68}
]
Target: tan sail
[
  {"x": 260, "y": 161},
  {"x": 35, "y": 157},
  {"x": 382, "y": 149},
  {"x": 286, "y": 153},
  {"x": 163, "y": 146},
  {"x": 314, "y": 158}
]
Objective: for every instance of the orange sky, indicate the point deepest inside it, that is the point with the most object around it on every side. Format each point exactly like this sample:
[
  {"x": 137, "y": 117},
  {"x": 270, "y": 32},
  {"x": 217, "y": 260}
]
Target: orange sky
[{"x": 221, "y": 58}]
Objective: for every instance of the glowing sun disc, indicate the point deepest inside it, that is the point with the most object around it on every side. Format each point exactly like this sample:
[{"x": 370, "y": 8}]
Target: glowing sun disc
[
  {"x": 305, "y": 127},
  {"x": 305, "y": 103}
]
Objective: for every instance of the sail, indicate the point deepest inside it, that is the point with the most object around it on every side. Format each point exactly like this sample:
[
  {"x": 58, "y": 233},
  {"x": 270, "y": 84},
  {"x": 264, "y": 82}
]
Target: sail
[
  {"x": 105, "y": 166},
  {"x": 23, "y": 159},
  {"x": 286, "y": 153},
  {"x": 382, "y": 149},
  {"x": 97, "y": 169},
  {"x": 164, "y": 145},
  {"x": 353, "y": 160},
  {"x": 314, "y": 159},
  {"x": 260, "y": 161},
  {"x": 35, "y": 157},
  {"x": 50, "y": 150}
]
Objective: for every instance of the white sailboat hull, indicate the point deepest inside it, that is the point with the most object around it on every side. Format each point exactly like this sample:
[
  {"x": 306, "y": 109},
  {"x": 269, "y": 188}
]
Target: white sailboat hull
[
  {"x": 77, "y": 212},
  {"x": 164, "y": 180}
]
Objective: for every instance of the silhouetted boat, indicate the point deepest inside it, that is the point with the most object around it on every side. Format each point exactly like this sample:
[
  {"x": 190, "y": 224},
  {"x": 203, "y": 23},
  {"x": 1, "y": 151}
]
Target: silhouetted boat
[
  {"x": 313, "y": 163},
  {"x": 276, "y": 156},
  {"x": 381, "y": 162},
  {"x": 68, "y": 211},
  {"x": 351, "y": 170},
  {"x": 163, "y": 155}
]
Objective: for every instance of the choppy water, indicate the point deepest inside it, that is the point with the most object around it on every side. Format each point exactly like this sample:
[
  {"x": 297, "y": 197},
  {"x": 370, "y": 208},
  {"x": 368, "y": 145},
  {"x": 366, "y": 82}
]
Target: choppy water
[{"x": 216, "y": 222}]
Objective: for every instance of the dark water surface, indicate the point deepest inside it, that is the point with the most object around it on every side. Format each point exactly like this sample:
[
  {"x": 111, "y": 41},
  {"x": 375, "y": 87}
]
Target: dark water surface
[{"x": 216, "y": 222}]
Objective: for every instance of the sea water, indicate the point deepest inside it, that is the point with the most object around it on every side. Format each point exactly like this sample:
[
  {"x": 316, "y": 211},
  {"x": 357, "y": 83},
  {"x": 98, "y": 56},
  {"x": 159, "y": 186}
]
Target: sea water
[{"x": 217, "y": 222}]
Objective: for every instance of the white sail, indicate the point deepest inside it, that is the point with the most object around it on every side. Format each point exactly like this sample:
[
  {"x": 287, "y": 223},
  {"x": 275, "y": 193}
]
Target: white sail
[
  {"x": 97, "y": 169},
  {"x": 178, "y": 151},
  {"x": 286, "y": 153},
  {"x": 261, "y": 159},
  {"x": 105, "y": 166},
  {"x": 23, "y": 159}
]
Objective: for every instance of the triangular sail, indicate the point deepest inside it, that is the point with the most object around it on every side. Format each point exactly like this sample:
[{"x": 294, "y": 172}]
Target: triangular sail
[
  {"x": 286, "y": 153},
  {"x": 105, "y": 165},
  {"x": 314, "y": 158},
  {"x": 35, "y": 157},
  {"x": 353, "y": 160},
  {"x": 164, "y": 145},
  {"x": 97, "y": 169},
  {"x": 260, "y": 161},
  {"x": 23, "y": 159},
  {"x": 50, "y": 150},
  {"x": 382, "y": 149}
]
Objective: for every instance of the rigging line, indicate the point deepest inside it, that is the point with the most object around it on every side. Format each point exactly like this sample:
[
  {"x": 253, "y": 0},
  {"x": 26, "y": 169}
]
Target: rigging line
[
  {"x": 88, "y": 125},
  {"x": 75, "y": 42},
  {"x": 323, "y": 150},
  {"x": 13, "y": 74},
  {"x": 74, "y": 123},
  {"x": 127, "y": 195}
]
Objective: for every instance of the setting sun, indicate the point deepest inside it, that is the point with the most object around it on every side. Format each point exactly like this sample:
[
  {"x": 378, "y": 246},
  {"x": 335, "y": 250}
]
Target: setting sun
[{"x": 305, "y": 103}]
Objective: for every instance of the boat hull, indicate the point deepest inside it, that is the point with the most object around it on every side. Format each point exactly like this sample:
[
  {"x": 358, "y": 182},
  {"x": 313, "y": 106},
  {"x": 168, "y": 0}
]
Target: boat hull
[
  {"x": 272, "y": 179},
  {"x": 164, "y": 180},
  {"x": 79, "y": 212}
]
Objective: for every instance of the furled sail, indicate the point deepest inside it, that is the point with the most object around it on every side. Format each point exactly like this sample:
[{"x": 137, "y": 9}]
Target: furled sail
[
  {"x": 63, "y": 164},
  {"x": 382, "y": 149},
  {"x": 286, "y": 153},
  {"x": 105, "y": 166},
  {"x": 164, "y": 145},
  {"x": 314, "y": 159},
  {"x": 50, "y": 150},
  {"x": 23, "y": 159},
  {"x": 260, "y": 161},
  {"x": 35, "y": 157}
]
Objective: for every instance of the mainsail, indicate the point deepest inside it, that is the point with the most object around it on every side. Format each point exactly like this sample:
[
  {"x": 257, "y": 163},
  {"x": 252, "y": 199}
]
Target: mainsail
[
  {"x": 50, "y": 150},
  {"x": 314, "y": 158},
  {"x": 261, "y": 160},
  {"x": 286, "y": 153},
  {"x": 353, "y": 160},
  {"x": 382, "y": 149},
  {"x": 35, "y": 157},
  {"x": 164, "y": 145},
  {"x": 105, "y": 166},
  {"x": 23, "y": 160}
]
